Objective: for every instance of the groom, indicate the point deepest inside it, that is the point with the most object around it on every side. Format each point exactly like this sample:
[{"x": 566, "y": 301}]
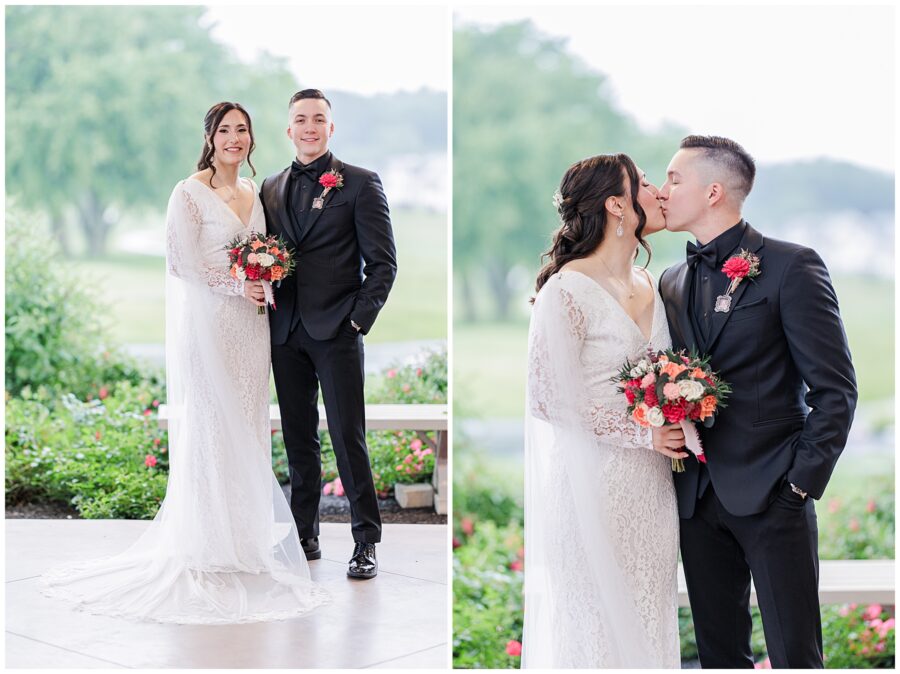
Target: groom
[
  {"x": 779, "y": 341},
  {"x": 335, "y": 217}
]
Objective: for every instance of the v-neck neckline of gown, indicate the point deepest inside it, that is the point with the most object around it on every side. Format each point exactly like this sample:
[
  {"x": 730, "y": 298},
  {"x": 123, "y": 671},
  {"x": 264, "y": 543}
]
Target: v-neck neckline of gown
[
  {"x": 227, "y": 207},
  {"x": 647, "y": 339}
]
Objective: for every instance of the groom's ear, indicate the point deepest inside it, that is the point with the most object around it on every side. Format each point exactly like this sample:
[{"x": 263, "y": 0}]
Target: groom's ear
[{"x": 715, "y": 194}]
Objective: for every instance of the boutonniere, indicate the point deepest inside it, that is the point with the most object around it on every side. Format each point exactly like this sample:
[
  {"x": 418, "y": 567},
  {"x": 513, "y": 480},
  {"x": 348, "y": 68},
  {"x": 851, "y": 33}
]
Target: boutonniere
[
  {"x": 329, "y": 180},
  {"x": 738, "y": 267}
]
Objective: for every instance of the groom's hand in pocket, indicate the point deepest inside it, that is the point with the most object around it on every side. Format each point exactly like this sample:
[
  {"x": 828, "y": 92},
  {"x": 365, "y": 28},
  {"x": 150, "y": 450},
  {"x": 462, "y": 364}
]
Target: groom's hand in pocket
[
  {"x": 253, "y": 291},
  {"x": 669, "y": 440}
]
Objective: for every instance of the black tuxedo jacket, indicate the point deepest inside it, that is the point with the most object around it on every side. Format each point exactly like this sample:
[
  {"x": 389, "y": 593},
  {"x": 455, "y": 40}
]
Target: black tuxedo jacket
[
  {"x": 346, "y": 257},
  {"x": 783, "y": 349}
]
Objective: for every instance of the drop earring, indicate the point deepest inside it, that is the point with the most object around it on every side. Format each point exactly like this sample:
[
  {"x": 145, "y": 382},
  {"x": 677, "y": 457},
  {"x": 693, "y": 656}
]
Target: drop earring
[{"x": 620, "y": 230}]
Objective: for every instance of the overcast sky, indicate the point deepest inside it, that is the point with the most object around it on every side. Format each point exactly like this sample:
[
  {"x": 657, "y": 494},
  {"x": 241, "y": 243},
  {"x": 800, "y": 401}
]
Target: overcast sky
[
  {"x": 366, "y": 50},
  {"x": 786, "y": 82}
]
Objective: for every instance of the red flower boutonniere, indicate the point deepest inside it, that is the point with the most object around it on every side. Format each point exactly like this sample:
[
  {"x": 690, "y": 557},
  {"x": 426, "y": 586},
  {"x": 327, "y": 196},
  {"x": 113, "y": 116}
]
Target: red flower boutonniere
[
  {"x": 738, "y": 267},
  {"x": 329, "y": 180}
]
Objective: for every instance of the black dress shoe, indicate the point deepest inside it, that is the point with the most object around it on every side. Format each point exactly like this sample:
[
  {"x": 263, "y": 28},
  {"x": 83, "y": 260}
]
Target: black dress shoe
[
  {"x": 363, "y": 563},
  {"x": 311, "y": 547}
]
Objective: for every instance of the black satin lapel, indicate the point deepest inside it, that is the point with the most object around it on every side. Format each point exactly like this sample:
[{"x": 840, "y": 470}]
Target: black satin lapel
[
  {"x": 281, "y": 207},
  {"x": 683, "y": 294},
  {"x": 334, "y": 164}
]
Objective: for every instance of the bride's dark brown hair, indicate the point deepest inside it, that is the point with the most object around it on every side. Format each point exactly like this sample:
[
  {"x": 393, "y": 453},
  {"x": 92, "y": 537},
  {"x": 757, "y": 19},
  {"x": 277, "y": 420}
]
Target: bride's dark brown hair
[
  {"x": 210, "y": 124},
  {"x": 581, "y": 204}
]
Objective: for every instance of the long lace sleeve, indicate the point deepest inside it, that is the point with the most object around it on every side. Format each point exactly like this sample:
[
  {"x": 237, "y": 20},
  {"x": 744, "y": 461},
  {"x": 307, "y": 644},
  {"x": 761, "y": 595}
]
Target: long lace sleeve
[
  {"x": 183, "y": 257},
  {"x": 558, "y": 388}
]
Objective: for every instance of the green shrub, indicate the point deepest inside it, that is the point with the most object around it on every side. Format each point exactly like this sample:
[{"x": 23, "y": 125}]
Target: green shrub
[
  {"x": 55, "y": 331},
  {"x": 104, "y": 457}
]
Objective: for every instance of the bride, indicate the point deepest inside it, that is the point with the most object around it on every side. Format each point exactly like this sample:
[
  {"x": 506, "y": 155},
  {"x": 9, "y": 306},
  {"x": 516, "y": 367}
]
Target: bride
[
  {"x": 223, "y": 547},
  {"x": 601, "y": 521}
]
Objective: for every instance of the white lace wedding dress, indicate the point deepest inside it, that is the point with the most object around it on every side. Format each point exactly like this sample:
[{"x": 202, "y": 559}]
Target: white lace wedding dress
[
  {"x": 601, "y": 519},
  {"x": 223, "y": 547}
]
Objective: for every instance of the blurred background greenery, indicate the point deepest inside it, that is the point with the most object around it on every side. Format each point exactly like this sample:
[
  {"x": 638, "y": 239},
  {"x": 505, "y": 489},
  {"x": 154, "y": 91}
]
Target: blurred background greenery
[{"x": 524, "y": 109}]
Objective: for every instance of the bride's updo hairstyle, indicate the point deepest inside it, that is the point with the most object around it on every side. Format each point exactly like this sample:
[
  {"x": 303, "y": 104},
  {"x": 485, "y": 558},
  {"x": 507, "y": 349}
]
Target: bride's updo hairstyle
[
  {"x": 581, "y": 205},
  {"x": 210, "y": 124}
]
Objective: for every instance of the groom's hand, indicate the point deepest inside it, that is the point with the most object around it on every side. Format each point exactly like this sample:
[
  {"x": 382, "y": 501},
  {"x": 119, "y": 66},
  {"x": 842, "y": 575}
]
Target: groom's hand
[
  {"x": 253, "y": 291},
  {"x": 668, "y": 440}
]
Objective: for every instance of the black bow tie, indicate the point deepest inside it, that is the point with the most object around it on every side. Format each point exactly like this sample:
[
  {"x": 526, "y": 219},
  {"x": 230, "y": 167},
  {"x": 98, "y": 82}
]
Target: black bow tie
[
  {"x": 705, "y": 254},
  {"x": 309, "y": 170}
]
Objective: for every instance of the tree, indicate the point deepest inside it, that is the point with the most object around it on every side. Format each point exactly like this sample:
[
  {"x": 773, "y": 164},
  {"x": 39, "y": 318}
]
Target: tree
[
  {"x": 104, "y": 107},
  {"x": 524, "y": 110}
]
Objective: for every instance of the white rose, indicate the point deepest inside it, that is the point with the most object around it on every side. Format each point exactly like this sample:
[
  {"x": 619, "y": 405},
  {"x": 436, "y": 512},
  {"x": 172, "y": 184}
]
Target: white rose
[
  {"x": 265, "y": 259},
  {"x": 636, "y": 372},
  {"x": 691, "y": 390},
  {"x": 655, "y": 417},
  {"x": 241, "y": 274}
]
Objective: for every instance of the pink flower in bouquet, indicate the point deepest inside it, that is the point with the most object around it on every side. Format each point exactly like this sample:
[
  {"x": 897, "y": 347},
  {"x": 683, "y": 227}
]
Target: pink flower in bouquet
[
  {"x": 671, "y": 391},
  {"x": 650, "y": 397},
  {"x": 514, "y": 648},
  {"x": 648, "y": 380},
  {"x": 629, "y": 396},
  {"x": 872, "y": 611},
  {"x": 150, "y": 461},
  {"x": 252, "y": 258}
]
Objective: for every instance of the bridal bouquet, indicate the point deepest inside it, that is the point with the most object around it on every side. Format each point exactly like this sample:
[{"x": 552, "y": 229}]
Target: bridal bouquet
[
  {"x": 258, "y": 257},
  {"x": 675, "y": 388}
]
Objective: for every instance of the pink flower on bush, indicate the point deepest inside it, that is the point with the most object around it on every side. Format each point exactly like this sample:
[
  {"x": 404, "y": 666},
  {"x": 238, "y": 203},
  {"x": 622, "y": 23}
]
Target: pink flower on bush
[
  {"x": 854, "y": 524},
  {"x": 408, "y": 459},
  {"x": 156, "y": 442},
  {"x": 456, "y": 543},
  {"x": 391, "y": 374},
  {"x": 147, "y": 412},
  {"x": 327, "y": 489},
  {"x": 468, "y": 526},
  {"x": 415, "y": 444},
  {"x": 514, "y": 648},
  {"x": 872, "y": 611},
  {"x": 765, "y": 664},
  {"x": 427, "y": 451},
  {"x": 420, "y": 466},
  {"x": 405, "y": 388},
  {"x": 150, "y": 461},
  {"x": 844, "y": 611},
  {"x": 834, "y": 505},
  {"x": 338, "y": 487},
  {"x": 98, "y": 435},
  {"x": 162, "y": 450},
  {"x": 104, "y": 392},
  {"x": 870, "y": 506},
  {"x": 399, "y": 466},
  {"x": 516, "y": 565},
  {"x": 418, "y": 371}
]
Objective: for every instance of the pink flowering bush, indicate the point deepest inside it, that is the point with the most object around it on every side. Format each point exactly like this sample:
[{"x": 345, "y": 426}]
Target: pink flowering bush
[{"x": 859, "y": 636}]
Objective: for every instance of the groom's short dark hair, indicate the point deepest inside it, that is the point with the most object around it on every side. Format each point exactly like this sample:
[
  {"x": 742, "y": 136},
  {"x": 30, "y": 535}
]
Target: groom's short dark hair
[
  {"x": 308, "y": 93},
  {"x": 730, "y": 156}
]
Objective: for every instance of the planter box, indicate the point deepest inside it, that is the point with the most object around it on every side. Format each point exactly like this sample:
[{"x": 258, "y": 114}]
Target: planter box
[{"x": 419, "y": 495}]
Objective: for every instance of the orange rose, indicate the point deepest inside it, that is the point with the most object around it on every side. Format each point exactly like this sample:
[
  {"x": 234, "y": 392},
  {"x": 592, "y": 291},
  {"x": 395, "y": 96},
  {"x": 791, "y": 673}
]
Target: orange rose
[
  {"x": 663, "y": 358},
  {"x": 256, "y": 244},
  {"x": 673, "y": 369},
  {"x": 698, "y": 373},
  {"x": 234, "y": 271},
  {"x": 274, "y": 250},
  {"x": 277, "y": 273},
  {"x": 639, "y": 416},
  {"x": 707, "y": 406}
]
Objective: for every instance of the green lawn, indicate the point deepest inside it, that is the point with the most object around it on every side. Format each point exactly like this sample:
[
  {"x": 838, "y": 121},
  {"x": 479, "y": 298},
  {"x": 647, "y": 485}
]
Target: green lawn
[
  {"x": 489, "y": 358},
  {"x": 133, "y": 287}
]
